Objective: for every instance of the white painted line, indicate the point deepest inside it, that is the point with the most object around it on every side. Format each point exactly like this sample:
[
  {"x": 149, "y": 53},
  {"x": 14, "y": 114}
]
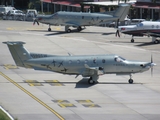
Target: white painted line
[{"x": 6, "y": 113}]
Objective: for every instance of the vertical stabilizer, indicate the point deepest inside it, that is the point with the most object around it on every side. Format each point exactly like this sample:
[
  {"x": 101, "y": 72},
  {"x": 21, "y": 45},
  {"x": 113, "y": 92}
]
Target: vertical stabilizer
[
  {"x": 122, "y": 11},
  {"x": 18, "y": 52}
]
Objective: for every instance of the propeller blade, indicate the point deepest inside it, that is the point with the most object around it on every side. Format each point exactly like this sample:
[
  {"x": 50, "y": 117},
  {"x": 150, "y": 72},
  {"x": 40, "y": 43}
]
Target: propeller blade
[
  {"x": 35, "y": 21},
  {"x": 117, "y": 23},
  {"x": 117, "y": 32},
  {"x": 151, "y": 65},
  {"x": 151, "y": 71}
]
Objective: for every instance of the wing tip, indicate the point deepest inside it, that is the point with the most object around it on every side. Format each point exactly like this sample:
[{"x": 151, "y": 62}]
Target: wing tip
[{"x": 14, "y": 42}]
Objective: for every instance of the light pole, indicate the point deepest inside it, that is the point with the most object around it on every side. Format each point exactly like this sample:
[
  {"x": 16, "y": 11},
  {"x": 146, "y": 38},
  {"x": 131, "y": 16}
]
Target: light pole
[
  {"x": 12, "y": 3},
  {"x": 42, "y": 6}
]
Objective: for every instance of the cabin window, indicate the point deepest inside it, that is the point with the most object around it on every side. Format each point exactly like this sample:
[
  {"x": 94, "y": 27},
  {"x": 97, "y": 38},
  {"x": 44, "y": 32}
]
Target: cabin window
[
  {"x": 152, "y": 26},
  {"x": 94, "y": 61},
  {"x": 103, "y": 61},
  {"x": 70, "y": 61},
  {"x": 85, "y": 61},
  {"x": 97, "y": 18},
  {"x": 78, "y": 61},
  {"x": 157, "y": 26}
]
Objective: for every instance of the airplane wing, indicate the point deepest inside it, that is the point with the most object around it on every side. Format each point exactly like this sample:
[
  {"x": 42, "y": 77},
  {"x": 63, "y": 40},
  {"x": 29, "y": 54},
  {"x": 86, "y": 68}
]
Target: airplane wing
[
  {"x": 72, "y": 24},
  {"x": 152, "y": 34},
  {"x": 93, "y": 70}
]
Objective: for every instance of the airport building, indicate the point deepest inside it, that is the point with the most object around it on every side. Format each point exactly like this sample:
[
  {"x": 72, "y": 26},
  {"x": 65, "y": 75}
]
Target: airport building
[{"x": 141, "y": 9}]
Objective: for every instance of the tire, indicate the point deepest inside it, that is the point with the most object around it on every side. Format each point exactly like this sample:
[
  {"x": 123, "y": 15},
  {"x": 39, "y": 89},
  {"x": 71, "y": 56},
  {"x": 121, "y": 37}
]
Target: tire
[
  {"x": 49, "y": 29},
  {"x": 130, "y": 81},
  {"x": 90, "y": 81},
  {"x": 132, "y": 40}
]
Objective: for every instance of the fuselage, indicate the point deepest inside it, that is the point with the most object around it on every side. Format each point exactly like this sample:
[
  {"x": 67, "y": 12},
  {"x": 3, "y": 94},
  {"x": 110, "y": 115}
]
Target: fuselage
[
  {"x": 76, "y": 18},
  {"x": 76, "y": 64},
  {"x": 143, "y": 28}
]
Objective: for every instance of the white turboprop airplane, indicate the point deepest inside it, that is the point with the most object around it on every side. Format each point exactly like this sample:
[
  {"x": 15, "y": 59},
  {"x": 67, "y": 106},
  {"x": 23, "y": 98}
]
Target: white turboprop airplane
[
  {"x": 91, "y": 66},
  {"x": 146, "y": 28},
  {"x": 82, "y": 19}
]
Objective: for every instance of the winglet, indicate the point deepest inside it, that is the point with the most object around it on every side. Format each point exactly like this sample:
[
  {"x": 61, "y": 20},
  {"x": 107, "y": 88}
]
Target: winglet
[{"x": 14, "y": 43}]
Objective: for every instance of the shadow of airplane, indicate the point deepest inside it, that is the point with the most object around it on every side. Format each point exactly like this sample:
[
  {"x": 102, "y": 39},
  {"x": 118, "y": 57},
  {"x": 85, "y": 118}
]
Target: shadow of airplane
[
  {"x": 109, "y": 33},
  {"x": 146, "y": 44},
  {"x": 56, "y": 32},
  {"x": 83, "y": 83}
]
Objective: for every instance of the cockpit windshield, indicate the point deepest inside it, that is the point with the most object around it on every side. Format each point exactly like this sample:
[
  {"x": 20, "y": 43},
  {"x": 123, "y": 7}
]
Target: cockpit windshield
[
  {"x": 55, "y": 15},
  {"x": 119, "y": 59},
  {"x": 139, "y": 24}
]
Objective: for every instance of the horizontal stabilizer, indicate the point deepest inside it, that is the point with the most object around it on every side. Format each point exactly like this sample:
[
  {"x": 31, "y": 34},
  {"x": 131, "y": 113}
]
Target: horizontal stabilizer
[{"x": 18, "y": 52}]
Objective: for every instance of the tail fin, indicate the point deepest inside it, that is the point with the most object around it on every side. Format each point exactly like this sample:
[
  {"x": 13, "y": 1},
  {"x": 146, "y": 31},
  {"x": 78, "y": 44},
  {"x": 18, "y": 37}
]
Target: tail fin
[
  {"x": 122, "y": 11},
  {"x": 18, "y": 52}
]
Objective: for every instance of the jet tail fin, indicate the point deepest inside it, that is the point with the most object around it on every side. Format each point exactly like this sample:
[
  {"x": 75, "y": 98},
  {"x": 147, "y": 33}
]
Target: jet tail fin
[
  {"x": 18, "y": 52},
  {"x": 122, "y": 11}
]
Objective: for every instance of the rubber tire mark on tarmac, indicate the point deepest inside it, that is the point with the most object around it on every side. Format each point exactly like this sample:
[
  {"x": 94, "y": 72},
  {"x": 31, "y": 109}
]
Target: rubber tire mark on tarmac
[{"x": 31, "y": 95}]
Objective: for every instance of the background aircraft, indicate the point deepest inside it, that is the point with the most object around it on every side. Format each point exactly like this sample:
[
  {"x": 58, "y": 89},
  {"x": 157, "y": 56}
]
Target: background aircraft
[
  {"x": 91, "y": 66},
  {"x": 148, "y": 28},
  {"x": 79, "y": 19}
]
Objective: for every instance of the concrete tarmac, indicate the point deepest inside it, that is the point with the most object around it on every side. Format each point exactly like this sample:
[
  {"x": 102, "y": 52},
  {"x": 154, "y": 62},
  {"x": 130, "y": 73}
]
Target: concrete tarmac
[{"x": 37, "y": 95}]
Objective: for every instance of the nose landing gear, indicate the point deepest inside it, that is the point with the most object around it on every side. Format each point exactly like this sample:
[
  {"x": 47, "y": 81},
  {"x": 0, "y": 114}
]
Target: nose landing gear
[{"x": 130, "y": 80}]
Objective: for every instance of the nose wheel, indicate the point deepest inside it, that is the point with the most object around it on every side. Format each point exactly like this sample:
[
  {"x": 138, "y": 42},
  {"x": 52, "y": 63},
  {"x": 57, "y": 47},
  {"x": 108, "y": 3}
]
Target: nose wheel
[
  {"x": 49, "y": 29},
  {"x": 130, "y": 81},
  {"x": 132, "y": 40},
  {"x": 91, "y": 81}
]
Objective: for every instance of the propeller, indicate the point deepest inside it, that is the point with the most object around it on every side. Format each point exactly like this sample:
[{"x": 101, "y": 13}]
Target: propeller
[
  {"x": 35, "y": 21},
  {"x": 117, "y": 32},
  {"x": 151, "y": 65}
]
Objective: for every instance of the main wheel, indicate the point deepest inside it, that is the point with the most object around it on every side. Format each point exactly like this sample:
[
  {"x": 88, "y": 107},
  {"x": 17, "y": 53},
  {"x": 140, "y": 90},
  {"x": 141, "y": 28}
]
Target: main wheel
[
  {"x": 90, "y": 81},
  {"x": 130, "y": 81},
  {"x": 156, "y": 41},
  {"x": 68, "y": 30},
  {"x": 132, "y": 40},
  {"x": 79, "y": 29},
  {"x": 49, "y": 29}
]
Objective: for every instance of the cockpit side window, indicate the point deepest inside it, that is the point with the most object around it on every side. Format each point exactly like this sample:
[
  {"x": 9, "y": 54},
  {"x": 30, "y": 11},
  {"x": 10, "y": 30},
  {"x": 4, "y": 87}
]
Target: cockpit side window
[
  {"x": 139, "y": 24},
  {"x": 55, "y": 15},
  {"x": 119, "y": 59}
]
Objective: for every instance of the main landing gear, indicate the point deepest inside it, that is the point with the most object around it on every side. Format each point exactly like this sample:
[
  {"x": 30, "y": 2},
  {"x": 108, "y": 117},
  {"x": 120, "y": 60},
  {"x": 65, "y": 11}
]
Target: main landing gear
[
  {"x": 130, "y": 80},
  {"x": 49, "y": 29},
  {"x": 79, "y": 28},
  {"x": 154, "y": 40},
  {"x": 93, "y": 79},
  {"x": 68, "y": 30},
  {"x": 132, "y": 40}
]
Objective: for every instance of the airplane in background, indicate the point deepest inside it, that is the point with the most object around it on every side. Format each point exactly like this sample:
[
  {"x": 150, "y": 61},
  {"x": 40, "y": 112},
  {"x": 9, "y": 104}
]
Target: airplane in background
[
  {"x": 82, "y": 19},
  {"x": 91, "y": 66},
  {"x": 145, "y": 28}
]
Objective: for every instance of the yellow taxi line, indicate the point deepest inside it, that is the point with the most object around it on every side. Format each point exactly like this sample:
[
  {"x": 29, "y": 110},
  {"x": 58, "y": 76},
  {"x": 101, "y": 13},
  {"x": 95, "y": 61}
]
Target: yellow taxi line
[{"x": 31, "y": 95}]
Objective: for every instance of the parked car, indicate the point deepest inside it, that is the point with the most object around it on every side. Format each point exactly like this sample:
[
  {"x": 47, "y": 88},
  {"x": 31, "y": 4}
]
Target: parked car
[
  {"x": 16, "y": 15},
  {"x": 4, "y": 10},
  {"x": 136, "y": 21},
  {"x": 31, "y": 13}
]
